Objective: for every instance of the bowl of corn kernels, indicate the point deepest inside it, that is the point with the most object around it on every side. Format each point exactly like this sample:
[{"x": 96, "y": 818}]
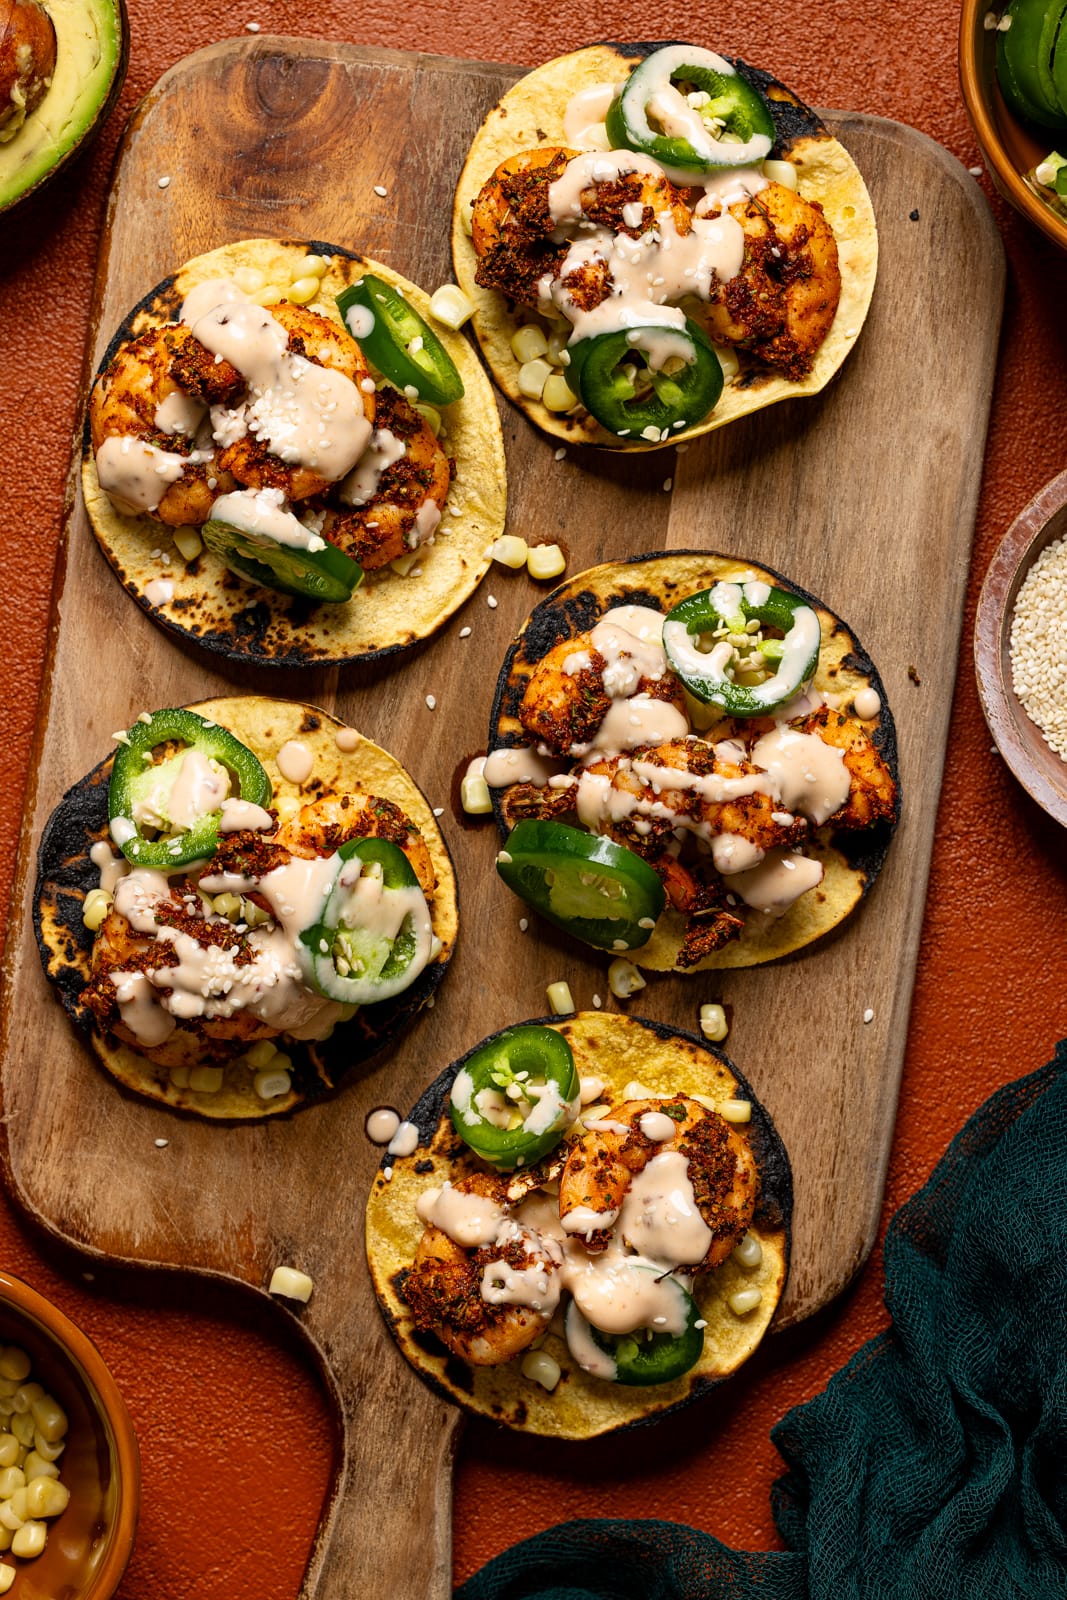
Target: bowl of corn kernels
[{"x": 70, "y": 1474}]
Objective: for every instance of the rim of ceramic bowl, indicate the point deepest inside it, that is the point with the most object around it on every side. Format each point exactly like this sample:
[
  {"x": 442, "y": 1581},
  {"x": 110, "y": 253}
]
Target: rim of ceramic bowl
[
  {"x": 1043, "y": 775},
  {"x": 976, "y": 98},
  {"x": 107, "y": 1401}
]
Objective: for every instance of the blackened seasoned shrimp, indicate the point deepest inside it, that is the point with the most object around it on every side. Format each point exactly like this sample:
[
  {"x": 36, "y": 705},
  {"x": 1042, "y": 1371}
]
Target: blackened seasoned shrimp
[
  {"x": 462, "y": 1294},
  {"x": 519, "y": 241},
  {"x": 597, "y": 1189},
  {"x": 323, "y": 826},
  {"x": 782, "y": 302},
  {"x": 141, "y": 396},
  {"x": 872, "y": 795},
  {"x": 565, "y": 699},
  {"x": 324, "y": 344},
  {"x": 396, "y": 499}
]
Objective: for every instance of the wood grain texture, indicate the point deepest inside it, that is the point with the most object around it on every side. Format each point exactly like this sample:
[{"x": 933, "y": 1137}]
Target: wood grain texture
[
  {"x": 258, "y": 136},
  {"x": 1041, "y": 771}
]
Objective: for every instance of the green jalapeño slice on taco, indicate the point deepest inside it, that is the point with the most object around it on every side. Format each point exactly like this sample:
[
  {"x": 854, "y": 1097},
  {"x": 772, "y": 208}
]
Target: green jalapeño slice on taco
[
  {"x": 271, "y": 452},
  {"x": 658, "y": 240},
  {"x": 692, "y": 761},
  {"x": 593, "y": 1228},
  {"x": 245, "y": 902}
]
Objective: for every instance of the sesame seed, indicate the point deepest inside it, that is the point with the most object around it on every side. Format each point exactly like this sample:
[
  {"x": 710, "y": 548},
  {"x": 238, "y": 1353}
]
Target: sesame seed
[
  {"x": 251, "y": 27},
  {"x": 161, "y": 1144},
  {"x": 163, "y": 183},
  {"x": 668, "y": 485},
  {"x": 464, "y": 633},
  {"x": 1038, "y": 645},
  {"x": 560, "y": 455},
  {"x": 438, "y": 811},
  {"x": 597, "y": 1001},
  {"x": 492, "y": 602},
  {"x": 430, "y": 701},
  {"x": 380, "y": 190},
  {"x": 976, "y": 172},
  {"x": 868, "y": 1015},
  {"x": 523, "y": 924}
]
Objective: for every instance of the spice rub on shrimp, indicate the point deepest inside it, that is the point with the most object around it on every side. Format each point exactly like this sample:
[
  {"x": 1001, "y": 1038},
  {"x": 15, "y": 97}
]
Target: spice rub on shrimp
[
  {"x": 519, "y": 241},
  {"x": 249, "y": 457},
  {"x": 156, "y": 390},
  {"x": 597, "y": 1188},
  {"x": 566, "y": 698},
  {"x": 782, "y": 302},
  {"x": 486, "y": 1301},
  {"x": 323, "y": 826},
  {"x": 397, "y": 493}
]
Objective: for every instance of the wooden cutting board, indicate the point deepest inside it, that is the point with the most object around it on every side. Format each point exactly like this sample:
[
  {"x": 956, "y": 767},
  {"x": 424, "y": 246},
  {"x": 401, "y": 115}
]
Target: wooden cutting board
[{"x": 865, "y": 495}]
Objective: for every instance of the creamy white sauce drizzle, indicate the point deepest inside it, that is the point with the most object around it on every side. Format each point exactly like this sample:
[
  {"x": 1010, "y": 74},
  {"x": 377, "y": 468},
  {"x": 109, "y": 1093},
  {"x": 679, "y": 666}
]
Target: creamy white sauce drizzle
[
  {"x": 383, "y": 451},
  {"x": 136, "y": 475},
  {"x": 867, "y": 703},
  {"x": 295, "y": 761},
  {"x": 179, "y": 412},
  {"x": 262, "y": 514},
  {"x": 810, "y": 775},
  {"x": 381, "y": 1124},
  {"x": 517, "y": 765},
  {"x": 238, "y": 814},
  {"x": 777, "y": 882}
]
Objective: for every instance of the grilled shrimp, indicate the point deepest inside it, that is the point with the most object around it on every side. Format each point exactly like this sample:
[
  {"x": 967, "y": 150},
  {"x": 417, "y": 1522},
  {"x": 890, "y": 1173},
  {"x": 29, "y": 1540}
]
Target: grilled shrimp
[
  {"x": 561, "y": 708},
  {"x": 391, "y": 521},
  {"x": 872, "y": 792},
  {"x": 444, "y": 1287},
  {"x": 324, "y": 344},
  {"x": 518, "y": 242},
  {"x": 601, "y": 1166},
  {"x": 323, "y": 826},
  {"x": 142, "y": 395},
  {"x": 781, "y": 304}
]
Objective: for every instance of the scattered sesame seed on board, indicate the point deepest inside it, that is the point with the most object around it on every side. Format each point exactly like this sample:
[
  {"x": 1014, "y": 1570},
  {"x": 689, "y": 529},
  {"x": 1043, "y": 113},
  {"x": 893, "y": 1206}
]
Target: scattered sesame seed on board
[{"x": 1038, "y": 645}]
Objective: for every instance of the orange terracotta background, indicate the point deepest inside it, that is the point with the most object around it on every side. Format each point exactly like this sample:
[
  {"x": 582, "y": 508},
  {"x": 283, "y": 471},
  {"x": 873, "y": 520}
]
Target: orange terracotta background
[{"x": 235, "y": 1434}]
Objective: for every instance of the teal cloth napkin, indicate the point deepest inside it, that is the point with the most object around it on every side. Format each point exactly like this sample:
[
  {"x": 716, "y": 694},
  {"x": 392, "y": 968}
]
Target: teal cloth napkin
[{"x": 934, "y": 1465}]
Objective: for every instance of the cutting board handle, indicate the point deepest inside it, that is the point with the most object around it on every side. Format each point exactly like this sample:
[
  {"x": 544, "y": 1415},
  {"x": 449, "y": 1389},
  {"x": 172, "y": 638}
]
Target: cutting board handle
[{"x": 387, "y": 1527}]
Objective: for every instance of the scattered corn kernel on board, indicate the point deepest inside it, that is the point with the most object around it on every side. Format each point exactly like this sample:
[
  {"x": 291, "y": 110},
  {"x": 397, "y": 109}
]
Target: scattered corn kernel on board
[{"x": 865, "y": 495}]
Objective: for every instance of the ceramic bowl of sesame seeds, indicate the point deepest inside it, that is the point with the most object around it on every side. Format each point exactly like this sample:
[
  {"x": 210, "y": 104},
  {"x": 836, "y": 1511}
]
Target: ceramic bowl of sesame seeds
[
  {"x": 70, "y": 1477},
  {"x": 1016, "y": 150},
  {"x": 1020, "y": 648}
]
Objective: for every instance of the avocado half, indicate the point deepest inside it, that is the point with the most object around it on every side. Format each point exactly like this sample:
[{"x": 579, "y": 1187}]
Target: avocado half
[{"x": 92, "y": 46}]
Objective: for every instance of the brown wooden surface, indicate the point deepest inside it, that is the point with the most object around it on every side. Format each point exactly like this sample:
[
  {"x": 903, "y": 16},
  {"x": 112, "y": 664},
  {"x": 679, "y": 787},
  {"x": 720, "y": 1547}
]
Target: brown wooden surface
[
  {"x": 889, "y": 458},
  {"x": 1041, "y": 771}
]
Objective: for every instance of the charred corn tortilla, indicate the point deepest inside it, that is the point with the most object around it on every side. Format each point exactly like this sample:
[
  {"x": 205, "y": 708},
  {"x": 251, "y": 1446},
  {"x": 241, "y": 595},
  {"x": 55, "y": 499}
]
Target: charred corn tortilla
[
  {"x": 619, "y": 1050},
  {"x": 851, "y": 860},
  {"x": 532, "y": 112},
  {"x": 65, "y": 875},
  {"x": 245, "y": 621}
]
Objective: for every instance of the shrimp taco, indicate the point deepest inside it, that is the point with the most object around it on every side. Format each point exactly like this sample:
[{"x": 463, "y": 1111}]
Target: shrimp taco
[
  {"x": 286, "y": 463},
  {"x": 593, "y": 1228},
  {"x": 244, "y": 903},
  {"x": 692, "y": 761},
  {"x": 657, "y": 240}
]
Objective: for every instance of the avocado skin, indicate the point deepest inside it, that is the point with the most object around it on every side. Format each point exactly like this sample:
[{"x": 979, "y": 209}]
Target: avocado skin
[{"x": 25, "y": 166}]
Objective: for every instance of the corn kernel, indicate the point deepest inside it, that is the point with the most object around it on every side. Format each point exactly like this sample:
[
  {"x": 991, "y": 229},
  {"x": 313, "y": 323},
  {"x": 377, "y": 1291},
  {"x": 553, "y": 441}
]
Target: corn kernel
[
  {"x": 312, "y": 267},
  {"x": 546, "y": 561},
  {"x": 539, "y": 1367},
  {"x": 450, "y": 306},
  {"x": 14, "y": 1365},
  {"x": 6, "y": 1536},
  {"x": 249, "y": 279},
  {"x": 635, "y": 1090},
  {"x": 270, "y": 296},
  {"x": 258, "y": 1054},
  {"x": 287, "y": 806},
  {"x": 557, "y": 394},
  {"x": 8, "y": 1518},
  {"x": 251, "y": 914},
  {"x": 735, "y": 1110},
  {"x": 35, "y": 1466},
  {"x": 22, "y": 1428},
  {"x": 47, "y": 1449},
  {"x": 19, "y": 1504},
  {"x": 179, "y": 1077},
  {"x": 189, "y": 543},
  {"x": 749, "y": 1253},
  {"x": 728, "y": 362},
  {"x": 533, "y": 375},
  {"x": 205, "y": 1080},
  {"x": 404, "y": 564},
  {"x": 25, "y": 1395},
  {"x": 431, "y": 416},
  {"x": 560, "y": 999},
  {"x": 558, "y": 353},
  {"x": 50, "y": 1420},
  {"x": 783, "y": 172},
  {"x": 271, "y": 1083},
  {"x": 528, "y": 343},
  {"x": 227, "y": 905},
  {"x": 29, "y": 1540},
  {"x": 509, "y": 550},
  {"x": 624, "y": 978},
  {"x": 303, "y": 290},
  {"x": 292, "y": 1284},
  {"x": 474, "y": 796},
  {"x": 9, "y": 1450},
  {"x": 11, "y": 1478},
  {"x": 744, "y": 1301},
  {"x": 7, "y": 1577},
  {"x": 46, "y": 1498},
  {"x": 281, "y": 1063},
  {"x": 95, "y": 908},
  {"x": 713, "y": 1023},
  {"x": 9, "y": 1387}
]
